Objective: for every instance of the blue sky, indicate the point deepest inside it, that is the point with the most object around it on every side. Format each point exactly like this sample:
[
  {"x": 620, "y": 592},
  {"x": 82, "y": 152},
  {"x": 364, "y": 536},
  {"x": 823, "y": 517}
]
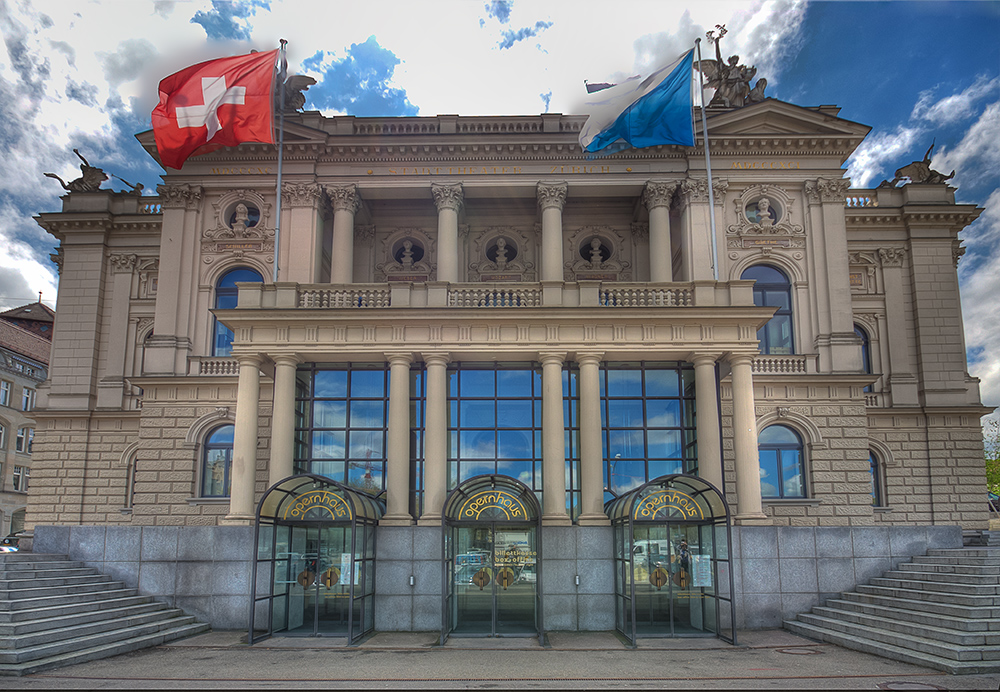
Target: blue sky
[{"x": 84, "y": 74}]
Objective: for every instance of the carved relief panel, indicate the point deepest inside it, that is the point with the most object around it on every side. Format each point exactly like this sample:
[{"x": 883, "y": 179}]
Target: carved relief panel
[
  {"x": 864, "y": 273},
  {"x": 242, "y": 228},
  {"x": 405, "y": 255},
  {"x": 765, "y": 224},
  {"x": 598, "y": 253},
  {"x": 502, "y": 253}
]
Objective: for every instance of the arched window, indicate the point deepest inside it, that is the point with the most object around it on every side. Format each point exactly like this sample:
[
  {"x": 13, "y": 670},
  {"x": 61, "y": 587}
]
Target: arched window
[
  {"x": 217, "y": 462},
  {"x": 773, "y": 290},
  {"x": 225, "y": 298},
  {"x": 878, "y": 497},
  {"x": 782, "y": 473},
  {"x": 866, "y": 354}
]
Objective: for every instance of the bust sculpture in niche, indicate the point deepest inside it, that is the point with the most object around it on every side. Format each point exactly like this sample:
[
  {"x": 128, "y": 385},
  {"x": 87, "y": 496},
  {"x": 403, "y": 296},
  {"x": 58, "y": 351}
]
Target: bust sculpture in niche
[
  {"x": 764, "y": 215},
  {"x": 407, "y": 258},
  {"x": 241, "y": 221}
]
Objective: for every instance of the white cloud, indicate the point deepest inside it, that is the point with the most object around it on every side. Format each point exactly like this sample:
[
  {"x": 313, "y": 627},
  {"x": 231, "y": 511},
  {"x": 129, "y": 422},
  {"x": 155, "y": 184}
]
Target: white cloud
[
  {"x": 978, "y": 154},
  {"x": 878, "y": 150},
  {"x": 957, "y": 106}
]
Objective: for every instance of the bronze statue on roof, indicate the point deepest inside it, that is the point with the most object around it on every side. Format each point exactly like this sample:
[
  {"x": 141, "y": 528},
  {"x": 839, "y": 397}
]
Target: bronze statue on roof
[
  {"x": 730, "y": 80},
  {"x": 919, "y": 172},
  {"x": 90, "y": 181}
]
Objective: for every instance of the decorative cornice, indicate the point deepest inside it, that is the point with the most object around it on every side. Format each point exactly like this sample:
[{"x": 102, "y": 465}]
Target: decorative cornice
[
  {"x": 122, "y": 263},
  {"x": 57, "y": 259},
  {"x": 659, "y": 193},
  {"x": 301, "y": 194},
  {"x": 552, "y": 195},
  {"x": 957, "y": 250},
  {"x": 179, "y": 196},
  {"x": 344, "y": 197},
  {"x": 447, "y": 196},
  {"x": 892, "y": 256}
]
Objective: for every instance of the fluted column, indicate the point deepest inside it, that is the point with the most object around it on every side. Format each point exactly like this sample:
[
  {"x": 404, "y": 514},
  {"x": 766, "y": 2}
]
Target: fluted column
[
  {"x": 449, "y": 200},
  {"x": 749, "y": 509},
  {"x": 345, "y": 201},
  {"x": 243, "y": 475},
  {"x": 553, "y": 442},
  {"x": 552, "y": 199},
  {"x": 591, "y": 448},
  {"x": 397, "y": 472},
  {"x": 283, "y": 420},
  {"x": 707, "y": 408},
  {"x": 435, "y": 439},
  {"x": 657, "y": 196}
]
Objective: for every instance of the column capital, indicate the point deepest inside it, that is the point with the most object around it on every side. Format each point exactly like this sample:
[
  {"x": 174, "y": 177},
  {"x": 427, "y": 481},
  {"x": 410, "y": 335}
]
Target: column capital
[
  {"x": 552, "y": 356},
  {"x": 740, "y": 359},
  {"x": 589, "y": 357},
  {"x": 436, "y": 358},
  {"x": 448, "y": 196},
  {"x": 301, "y": 194},
  {"x": 703, "y": 357},
  {"x": 122, "y": 264},
  {"x": 249, "y": 359},
  {"x": 658, "y": 193},
  {"x": 551, "y": 195},
  {"x": 286, "y": 359},
  {"x": 182, "y": 196},
  {"x": 343, "y": 197},
  {"x": 399, "y": 357},
  {"x": 891, "y": 256}
]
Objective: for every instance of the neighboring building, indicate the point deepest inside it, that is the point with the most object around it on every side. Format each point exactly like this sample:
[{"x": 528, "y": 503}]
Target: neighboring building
[
  {"x": 474, "y": 317},
  {"x": 25, "y": 340}
]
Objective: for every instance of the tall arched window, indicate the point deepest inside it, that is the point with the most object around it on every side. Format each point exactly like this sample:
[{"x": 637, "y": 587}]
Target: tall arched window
[
  {"x": 866, "y": 353},
  {"x": 225, "y": 298},
  {"x": 773, "y": 290},
  {"x": 878, "y": 497},
  {"x": 217, "y": 462},
  {"x": 782, "y": 473}
]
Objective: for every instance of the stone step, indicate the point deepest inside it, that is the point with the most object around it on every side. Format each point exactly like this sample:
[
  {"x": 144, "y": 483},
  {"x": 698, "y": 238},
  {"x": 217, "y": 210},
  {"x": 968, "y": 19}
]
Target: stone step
[
  {"x": 19, "y": 557},
  {"x": 60, "y": 619},
  {"x": 81, "y": 596},
  {"x": 987, "y": 570},
  {"x": 86, "y": 641},
  {"x": 45, "y": 572},
  {"x": 53, "y": 564},
  {"x": 126, "y": 598},
  {"x": 958, "y": 617},
  {"x": 897, "y": 622},
  {"x": 896, "y": 653},
  {"x": 944, "y": 577},
  {"x": 63, "y": 631},
  {"x": 942, "y": 560},
  {"x": 932, "y": 596},
  {"x": 103, "y": 651},
  {"x": 943, "y": 587},
  {"x": 983, "y": 551},
  {"x": 13, "y": 585},
  {"x": 99, "y": 583}
]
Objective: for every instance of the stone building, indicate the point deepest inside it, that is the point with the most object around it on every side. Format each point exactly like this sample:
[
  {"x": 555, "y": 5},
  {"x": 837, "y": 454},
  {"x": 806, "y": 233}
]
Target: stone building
[
  {"x": 25, "y": 339},
  {"x": 502, "y": 341}
]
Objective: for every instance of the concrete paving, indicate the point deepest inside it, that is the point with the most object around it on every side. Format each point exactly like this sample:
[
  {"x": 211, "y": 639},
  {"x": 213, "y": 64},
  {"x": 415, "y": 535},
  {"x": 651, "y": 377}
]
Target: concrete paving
[{"x": 764, "y": 659}]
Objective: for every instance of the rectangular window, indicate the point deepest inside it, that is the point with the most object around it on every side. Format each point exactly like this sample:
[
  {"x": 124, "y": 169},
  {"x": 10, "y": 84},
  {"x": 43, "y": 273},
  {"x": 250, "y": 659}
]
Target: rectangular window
[
  {"x": 4, "y": 393},
  {"x": 21, "y": 475},
  {"x": 27, "y": 399},
  {"x": 25, "y": 438}
]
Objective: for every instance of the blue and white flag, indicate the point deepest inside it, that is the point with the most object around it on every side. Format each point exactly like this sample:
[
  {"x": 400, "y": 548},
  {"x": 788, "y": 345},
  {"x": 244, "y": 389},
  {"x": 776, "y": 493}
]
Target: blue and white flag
[{"x": 656, "y": 110}]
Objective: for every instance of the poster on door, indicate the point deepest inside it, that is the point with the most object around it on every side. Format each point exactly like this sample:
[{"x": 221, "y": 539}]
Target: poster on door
[
  {"x": 701, "y": 571},
  {"x": 347, "y": 575}
]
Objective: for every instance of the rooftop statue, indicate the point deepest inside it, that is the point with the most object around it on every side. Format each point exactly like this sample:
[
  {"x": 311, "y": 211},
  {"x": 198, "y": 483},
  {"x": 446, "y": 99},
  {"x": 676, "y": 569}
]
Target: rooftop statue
[
  {"x": 730, "y": 80},
  {"x": 88, "y": 182},
  {"x": 294, "y": 86},
  {"x": 919, "y": 172}
]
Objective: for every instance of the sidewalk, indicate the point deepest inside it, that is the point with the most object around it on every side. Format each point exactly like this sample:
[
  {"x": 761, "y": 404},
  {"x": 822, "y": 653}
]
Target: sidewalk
[{"x": 769, "y": 659}]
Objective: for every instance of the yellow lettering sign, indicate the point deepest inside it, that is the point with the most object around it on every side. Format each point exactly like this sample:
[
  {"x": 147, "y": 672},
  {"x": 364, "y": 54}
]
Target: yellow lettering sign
[{"x": 242, "y": 170}]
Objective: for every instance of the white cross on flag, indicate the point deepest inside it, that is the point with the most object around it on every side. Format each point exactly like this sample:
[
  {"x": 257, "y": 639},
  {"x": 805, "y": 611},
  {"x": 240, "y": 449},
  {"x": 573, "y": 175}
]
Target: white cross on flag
[{"x": 214, "y": 104}]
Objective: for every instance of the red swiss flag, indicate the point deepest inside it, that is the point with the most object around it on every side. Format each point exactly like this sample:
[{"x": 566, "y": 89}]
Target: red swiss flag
[{"x": 214, "y": 104}]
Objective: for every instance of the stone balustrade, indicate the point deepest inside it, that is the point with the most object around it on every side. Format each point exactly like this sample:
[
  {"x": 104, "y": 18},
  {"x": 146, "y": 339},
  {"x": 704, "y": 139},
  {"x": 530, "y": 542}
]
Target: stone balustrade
[{"x": 783, "y": 365}]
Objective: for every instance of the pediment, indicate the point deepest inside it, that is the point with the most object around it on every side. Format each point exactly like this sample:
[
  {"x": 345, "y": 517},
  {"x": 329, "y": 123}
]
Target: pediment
[{"x": 773, "y": 118}]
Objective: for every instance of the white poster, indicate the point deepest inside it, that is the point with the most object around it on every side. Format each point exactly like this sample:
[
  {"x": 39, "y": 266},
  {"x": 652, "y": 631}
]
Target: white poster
[
  {"x": 345, "y": 569},
  {"x": 701, "y": 570}
]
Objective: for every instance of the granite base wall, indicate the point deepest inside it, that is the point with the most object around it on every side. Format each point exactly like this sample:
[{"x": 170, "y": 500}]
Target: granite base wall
[{"x": 778, "y": 571}]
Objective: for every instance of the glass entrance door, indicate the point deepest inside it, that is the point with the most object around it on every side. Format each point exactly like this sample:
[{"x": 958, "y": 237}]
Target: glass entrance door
[
  {"x": 494, "y": 575},
  {"x": 318, "y": 577}
]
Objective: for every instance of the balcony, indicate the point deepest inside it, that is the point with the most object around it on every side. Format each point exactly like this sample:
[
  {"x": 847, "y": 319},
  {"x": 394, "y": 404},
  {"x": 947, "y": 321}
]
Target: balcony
[{"x": 784, "y": 365}]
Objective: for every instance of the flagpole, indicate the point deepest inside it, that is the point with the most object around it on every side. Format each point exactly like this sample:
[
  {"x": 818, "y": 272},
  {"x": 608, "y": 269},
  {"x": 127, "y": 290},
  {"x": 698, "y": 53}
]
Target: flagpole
[
  {"x": 708, "y": 166},
  {"x": 281, "y": 149}
]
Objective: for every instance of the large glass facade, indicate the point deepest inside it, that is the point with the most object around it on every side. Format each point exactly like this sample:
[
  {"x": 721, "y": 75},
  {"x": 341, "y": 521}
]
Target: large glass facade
[{"x": 648, "y": 417}]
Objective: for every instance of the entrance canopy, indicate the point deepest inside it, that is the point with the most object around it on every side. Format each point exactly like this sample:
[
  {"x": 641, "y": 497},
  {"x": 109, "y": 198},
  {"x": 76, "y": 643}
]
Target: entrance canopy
[
  {"x": 491, "y": 498},
  {"x": 308, "y": 498},
  {"x": 671, "y": 498}
]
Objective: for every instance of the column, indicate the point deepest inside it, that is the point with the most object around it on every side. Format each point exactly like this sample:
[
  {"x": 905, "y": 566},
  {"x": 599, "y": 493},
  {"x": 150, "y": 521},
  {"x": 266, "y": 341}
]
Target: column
[
  {"x": 553, "y": 442},
  {"x": 243, "y": 475},
  {"x": 283, "y": 419},
  {"x": 449, "y": 200},
  {"x": 591, "y": 447},
  {"x": 345, "y": 201},
  {"x": 657, "y": 196},
  {"x": 397, "y": 472},
  {"x": 707, "y": 408},
  {"x": 301, "y": 252},
  {"x": 749, "y": 509},
  {"x": 552, "y": 199},
  {"x": 435, "y": 439},
  {"x": 110, "y": 388}
]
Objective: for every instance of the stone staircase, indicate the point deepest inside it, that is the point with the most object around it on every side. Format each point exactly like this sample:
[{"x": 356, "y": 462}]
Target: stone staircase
[
  {"x": 54, "y": 612},
  {"x": 941, "y": 611}
]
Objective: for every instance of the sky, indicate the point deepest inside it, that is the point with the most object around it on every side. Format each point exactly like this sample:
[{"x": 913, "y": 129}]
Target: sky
[{"x": 83, "y": 73}]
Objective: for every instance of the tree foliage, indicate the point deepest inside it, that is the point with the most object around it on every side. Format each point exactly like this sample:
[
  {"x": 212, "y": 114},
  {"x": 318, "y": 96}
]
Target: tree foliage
[{"x": 991, "y": 443}]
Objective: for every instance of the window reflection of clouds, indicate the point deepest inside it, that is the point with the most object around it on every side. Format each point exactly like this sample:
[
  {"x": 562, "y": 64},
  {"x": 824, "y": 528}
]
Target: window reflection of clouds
[
  {"x": 662, "y": 383},
  {"x": 330, "y": 383},
  {"x": 367, "y": 414},
  {"x": 365, "y": 444},
  {"x": 368, "y": 383},
  {"x": 624, "y": 383},
  {"x": 330, "y": 414},
  {"x": 664, "y": 444},
  {"x": 328, "y": 444},
  {"x": 663, "y": 414},
  {"x": 514, "y": 414}
]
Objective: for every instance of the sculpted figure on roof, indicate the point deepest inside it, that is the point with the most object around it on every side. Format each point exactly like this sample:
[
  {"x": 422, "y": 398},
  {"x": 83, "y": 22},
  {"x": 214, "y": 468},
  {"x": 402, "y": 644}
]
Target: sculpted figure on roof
[{"x": 730, "y": 79}]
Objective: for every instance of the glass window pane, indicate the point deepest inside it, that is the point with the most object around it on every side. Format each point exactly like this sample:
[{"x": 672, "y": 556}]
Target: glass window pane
[
  {"x": 331, "y": 383},
  {"x": 778, "y": 299},
  {"x": 223, "y": 435},
  {"x": 477, "y": 414},
  {"x": 624, "y": 383},
  {"x": 663, "y": 413},
  {"x": 769, "y": 477},
  {"x": 333, "y": 470},
  {"x": 328, "y": 445},
  {"x": 514, "y": 444},
  {"x": 471, "y": 469},
  {"x": 625, "y": 413},
  {"x": 242, "y": 274},
  {"x": 664, "y": 468},
  {"x": 664, "y": 444},
  {"x": 626, "y": 475},
  {"x": 366, "y": 444},
  {"x": 226, "y": 301},
  {"x": 791, "y": 472},
  {"x": 626, "y": 444},
  {"x": 478, "y": 444},
  {"x": 368, "y": 383},
  {"x": 514, "y": 414},
  {"x": 764, "y": 274},
  {"x": 662, "y": 383},
  {"x": 477, "y": 383},
  {"x": 778, "y": 434},
  {"x": 330, "y": 414},
  {"x": 365, "y": 476},
  {"x": 521, "y": 470},
  {"x": 514, "y": 383},
  {"x": 367, "y": 414}
]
